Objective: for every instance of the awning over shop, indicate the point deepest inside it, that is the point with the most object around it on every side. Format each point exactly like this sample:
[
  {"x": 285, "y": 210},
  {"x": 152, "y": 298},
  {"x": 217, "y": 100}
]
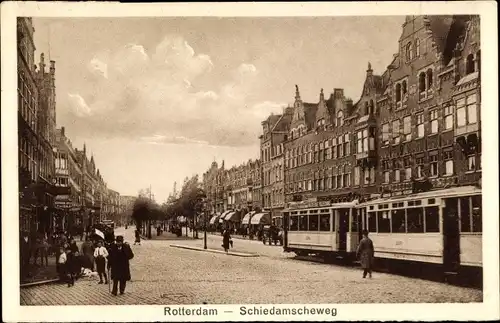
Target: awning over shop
[
  {"x": 233, "y": 216},
  {"x": 259, "y": 218},
  {"x": 213, "y": 219},
  {"x": 247, "y": 217},
  {"x": 223, "y": 216}
]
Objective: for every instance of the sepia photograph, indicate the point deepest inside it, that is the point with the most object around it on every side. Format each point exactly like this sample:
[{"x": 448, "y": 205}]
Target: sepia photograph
[{"x": 199, "y": 161}]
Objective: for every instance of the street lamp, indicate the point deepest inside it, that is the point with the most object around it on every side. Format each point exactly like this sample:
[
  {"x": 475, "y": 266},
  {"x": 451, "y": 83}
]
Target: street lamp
[{"x": 205, "y": 224}]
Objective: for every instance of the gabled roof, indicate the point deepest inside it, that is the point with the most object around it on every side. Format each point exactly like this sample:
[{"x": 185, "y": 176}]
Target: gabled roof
[{"x": 440, "y": 26}]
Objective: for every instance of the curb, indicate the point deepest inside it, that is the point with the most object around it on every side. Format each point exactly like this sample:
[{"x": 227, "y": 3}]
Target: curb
[
  {"x": 43, "y": 282},
  {"x": 238, "y": 254}
]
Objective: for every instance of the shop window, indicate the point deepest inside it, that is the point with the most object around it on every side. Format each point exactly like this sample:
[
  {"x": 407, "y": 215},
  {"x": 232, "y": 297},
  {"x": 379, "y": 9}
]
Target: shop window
[
  {"x": 432, "y": 219},
  {"x": 415, "y": 220},
  {"x": 372, "y": 221},
  {"x": 324, "y": 222},
  {"x": 465, "y": 219},
  {"x": 398, "y": 221},
  {"x": 313, "y": 222}
]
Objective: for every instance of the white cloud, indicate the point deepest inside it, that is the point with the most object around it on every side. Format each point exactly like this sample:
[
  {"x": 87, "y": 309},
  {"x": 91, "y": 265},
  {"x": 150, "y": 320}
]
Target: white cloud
[
  {"x": 98, "y": 67},
  {"x": 151, "y": 97},
  {"x": 79, "y": 106}
]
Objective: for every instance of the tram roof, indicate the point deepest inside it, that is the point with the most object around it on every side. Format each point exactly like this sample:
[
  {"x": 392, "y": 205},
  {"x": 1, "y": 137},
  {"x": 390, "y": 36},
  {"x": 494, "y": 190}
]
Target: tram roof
[
  {"x": 447, "y": 192},
  {"x": 340, "y": 205}
]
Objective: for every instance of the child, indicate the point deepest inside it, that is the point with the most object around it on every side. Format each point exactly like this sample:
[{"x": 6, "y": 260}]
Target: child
[{"x": 76, "y": 266}]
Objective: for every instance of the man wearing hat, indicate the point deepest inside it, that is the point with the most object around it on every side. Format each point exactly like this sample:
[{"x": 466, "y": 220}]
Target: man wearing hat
[
  {"x": 119, "y": 258},
  {"x": 365, "y": 254}
]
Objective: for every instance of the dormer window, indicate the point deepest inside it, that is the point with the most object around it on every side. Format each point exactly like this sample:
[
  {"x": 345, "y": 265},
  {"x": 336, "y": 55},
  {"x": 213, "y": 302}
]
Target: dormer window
[
  {"x": 425, "y": 82},
  {"x": 398, "y": 92},
  {"x": 404, "y": 88}
]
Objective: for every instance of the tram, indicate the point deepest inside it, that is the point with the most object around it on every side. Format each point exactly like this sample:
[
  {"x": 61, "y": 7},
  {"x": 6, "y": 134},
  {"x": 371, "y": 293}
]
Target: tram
[
  {"x": 442, "y": 228},
  {"x": 331, "y": 230}
]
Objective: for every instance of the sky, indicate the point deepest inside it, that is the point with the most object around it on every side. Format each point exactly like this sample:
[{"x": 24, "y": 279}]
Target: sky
[{"x": 159, "y": 99}]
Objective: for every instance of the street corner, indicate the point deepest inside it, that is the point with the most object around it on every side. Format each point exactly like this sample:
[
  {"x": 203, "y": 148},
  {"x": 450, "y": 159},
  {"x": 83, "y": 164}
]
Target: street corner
[{"x": 231, "y": 253}]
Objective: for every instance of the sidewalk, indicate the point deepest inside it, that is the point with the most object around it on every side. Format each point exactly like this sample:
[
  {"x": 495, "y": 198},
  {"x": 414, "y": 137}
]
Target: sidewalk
[
  {"x": 231, "y": 253},
  {"x": 42, "y": 274}
]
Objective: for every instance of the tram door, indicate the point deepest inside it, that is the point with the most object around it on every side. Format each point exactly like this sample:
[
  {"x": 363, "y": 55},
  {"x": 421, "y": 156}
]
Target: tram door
[
  {"x": 451, "y": 236},
  {"x": 342, "y": 228}
]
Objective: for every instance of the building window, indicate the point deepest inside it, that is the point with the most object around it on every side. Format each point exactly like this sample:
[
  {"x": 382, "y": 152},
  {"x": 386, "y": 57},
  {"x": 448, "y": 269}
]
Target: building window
[
  {"x": 386, "y": 176},
  {"x": 471, "y": 163},
  {"x": 385, "y": 134},
  {"x": 395, "y": 132},
  {"x": 420, "y": 125},
  {"x": 398, "y": 92},
  {"x": 409, "y": 55},
  {"x": 397, "y": 176},
  {"x": 421, "y": 82},
  {"x": 417, "y": 47},
  {"x": 434, "y": 165},
  {"x": 429, "y": 78},
  {"x": 448, "y": 117},
  {"x": 404, "y": 88},
  {"x": 469, "y": 64},
  {"x": 356, "y": 175},
  {"x": 347, "y": 147},
  {"x": 467, "y": 110},
  {"x": 359, "y": 142},
  {"x": 340, "y": 118},
  {"x": 434, "y": 121},
  {"x": 420, "y": 167},
  {"x": 407, "y": 128},
  {"x": 340, "y": 147},
  {"x": 448, "y": 158}
]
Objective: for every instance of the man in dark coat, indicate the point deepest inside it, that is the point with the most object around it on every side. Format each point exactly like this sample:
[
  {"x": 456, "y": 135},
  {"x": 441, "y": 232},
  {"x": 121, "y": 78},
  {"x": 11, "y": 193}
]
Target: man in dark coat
[
  {"x": 119, "y": 258},
  {"x": 365, "y": 254}
]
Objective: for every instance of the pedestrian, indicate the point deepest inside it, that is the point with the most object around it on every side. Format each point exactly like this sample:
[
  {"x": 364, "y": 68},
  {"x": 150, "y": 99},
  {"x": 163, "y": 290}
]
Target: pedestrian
[
  {"x": 66, "y": 266},
  {"x": 73, "y": 246},
  {"x": 25, "y": 246},
  {"x": 226, "y": 238},
  {"x": 88, "y": 254},
  {"x": 119, "y": 262},
  {"x": 76, "y": 264},
  {"x": 365, "y": 254},
  {"x": 137, "y": 237},
  {"x": 100, "y": 255}
]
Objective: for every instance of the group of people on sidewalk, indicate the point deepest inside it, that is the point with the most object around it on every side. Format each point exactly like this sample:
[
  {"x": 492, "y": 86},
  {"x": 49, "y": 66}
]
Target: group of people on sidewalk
[{"x": 114, "y": 257}]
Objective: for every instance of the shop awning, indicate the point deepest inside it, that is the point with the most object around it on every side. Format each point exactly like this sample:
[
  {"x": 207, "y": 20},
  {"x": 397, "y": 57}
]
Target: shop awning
[
  {"x": 247, "y": 217},
  {"x": 233, "y": 216},
  {"x": 261, "y": 218},
  {"x": 213, "y": 219}
]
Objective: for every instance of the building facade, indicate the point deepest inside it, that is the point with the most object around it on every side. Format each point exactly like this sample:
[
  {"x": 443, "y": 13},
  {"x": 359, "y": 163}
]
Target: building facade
[{"x": 415, "y": 127}]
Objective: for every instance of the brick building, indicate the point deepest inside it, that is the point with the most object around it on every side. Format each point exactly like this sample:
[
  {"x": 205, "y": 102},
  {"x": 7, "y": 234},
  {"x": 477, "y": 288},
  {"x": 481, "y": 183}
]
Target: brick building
[
  {"x": 319, "y": 155},
  {"x": 429, "y": 118}
]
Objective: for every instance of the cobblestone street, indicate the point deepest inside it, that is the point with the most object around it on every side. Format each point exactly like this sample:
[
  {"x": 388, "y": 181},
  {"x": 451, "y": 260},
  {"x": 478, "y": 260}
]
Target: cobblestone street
[{"x": 166, "y": 275}]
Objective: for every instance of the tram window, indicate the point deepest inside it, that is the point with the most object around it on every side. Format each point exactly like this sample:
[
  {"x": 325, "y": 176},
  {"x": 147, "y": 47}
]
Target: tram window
[
  {"x": 324, "y": 222},
  {"x": 294, "y": 223},
  {"x": 418, "y": 202},
  {"x": 303, "y": 223},
  {"x": 432, "y": 219},
  {"x": 313, "y": 222},
  {"x": 372, "y": 222},
  {"x": 464, "y": 214},
  {"x": 303, "y": 212},
  {"x": 398, "y": 221},
  {"x": 415, "y": 220},
  {"x": 384, "y": 221},
  {"x": 313, "y": 211},
  {"x": 431, "y": 201},
  {"x": 477, "y": 215},
  {"x": 354, "y": 223}
]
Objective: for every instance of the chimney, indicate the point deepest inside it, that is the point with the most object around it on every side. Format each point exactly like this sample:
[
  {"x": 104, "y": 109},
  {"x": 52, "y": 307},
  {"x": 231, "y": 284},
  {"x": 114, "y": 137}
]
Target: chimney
[
  {"x": 338, "y": 93},
  {"x": 52, "y": 67},
  {"x": 42, "y": 63},
  {"x": 63, "y": 131}
]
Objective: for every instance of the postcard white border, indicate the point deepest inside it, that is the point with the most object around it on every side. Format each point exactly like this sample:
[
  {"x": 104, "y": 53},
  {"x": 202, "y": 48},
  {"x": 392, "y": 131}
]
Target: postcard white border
[{"x": 10, "y": 273}]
